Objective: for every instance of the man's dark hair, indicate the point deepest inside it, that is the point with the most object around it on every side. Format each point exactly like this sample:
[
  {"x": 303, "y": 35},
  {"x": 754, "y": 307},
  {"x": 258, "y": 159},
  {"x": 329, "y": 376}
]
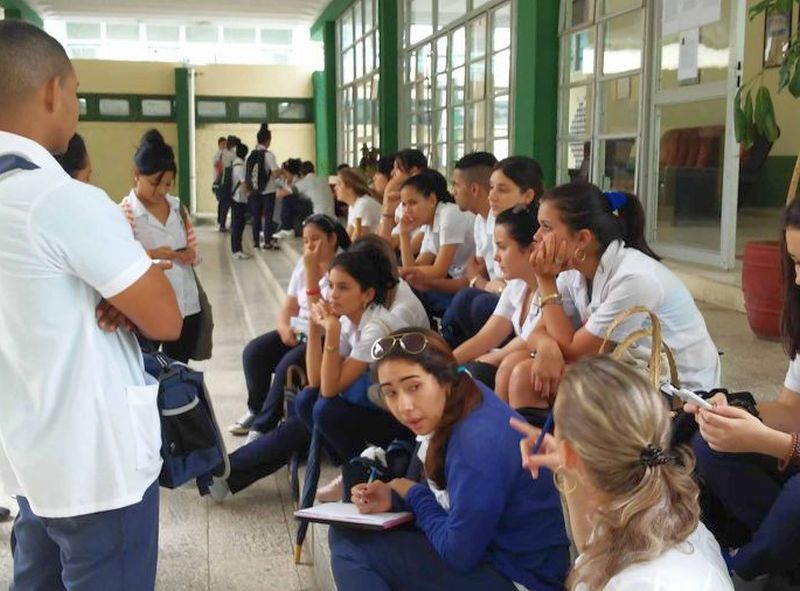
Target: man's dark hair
[
  {"x": 477, "y": 167},
  {"x": 29, "y": 57},
  {"x": 307, "y": 167},
  {"x": 221, "y": 139}
]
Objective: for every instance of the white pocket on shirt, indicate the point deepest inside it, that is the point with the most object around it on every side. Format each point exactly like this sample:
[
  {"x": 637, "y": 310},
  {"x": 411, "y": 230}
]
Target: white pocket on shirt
[{"x": 146, "y": 424}]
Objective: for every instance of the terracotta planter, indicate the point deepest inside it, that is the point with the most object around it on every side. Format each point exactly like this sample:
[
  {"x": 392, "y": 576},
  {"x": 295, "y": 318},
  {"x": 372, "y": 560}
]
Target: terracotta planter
[{"x": 762, "y": 284}]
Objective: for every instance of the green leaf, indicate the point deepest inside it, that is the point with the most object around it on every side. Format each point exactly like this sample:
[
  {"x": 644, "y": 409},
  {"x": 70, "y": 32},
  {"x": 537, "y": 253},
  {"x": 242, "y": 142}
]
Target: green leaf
[
  {"x": 748, "y": 118},
  {"x": 784, "y": 75},
  {"x": 739, "y": 122},
  {"x": 758, "y": 8},
  {"x": 761, "y": 97},
  {"x": 794, "y": 84},
  {"x": 783, "y": 5},
  {"x": 770, "y": 124}
]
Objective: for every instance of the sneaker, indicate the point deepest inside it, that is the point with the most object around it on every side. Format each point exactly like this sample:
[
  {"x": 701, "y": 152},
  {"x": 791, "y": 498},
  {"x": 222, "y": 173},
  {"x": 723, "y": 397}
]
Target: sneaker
[
  {"x": 241, "y": 255},
  {"x": 252, "y": 435},
  {"x": 282, "y": 234},
  {"x": 242, "y": 426},
  {"x": 331, "y": 492},
  {"x": 219, "y": 489}
]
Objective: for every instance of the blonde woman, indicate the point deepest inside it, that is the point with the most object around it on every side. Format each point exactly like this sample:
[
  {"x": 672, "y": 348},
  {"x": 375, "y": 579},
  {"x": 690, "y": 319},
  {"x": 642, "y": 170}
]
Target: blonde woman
[
  {"x": 632, "y": 502},
  {"x": 364, "y": 209}
]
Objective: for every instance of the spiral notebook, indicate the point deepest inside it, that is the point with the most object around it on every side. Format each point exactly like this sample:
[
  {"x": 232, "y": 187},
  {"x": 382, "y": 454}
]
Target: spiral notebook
[{"x": 347, "y": 514}]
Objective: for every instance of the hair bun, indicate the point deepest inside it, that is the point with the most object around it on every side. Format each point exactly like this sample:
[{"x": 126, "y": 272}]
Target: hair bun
[
  {"x": 264, "y": 127},
  {"x": 153, "y": 138}
]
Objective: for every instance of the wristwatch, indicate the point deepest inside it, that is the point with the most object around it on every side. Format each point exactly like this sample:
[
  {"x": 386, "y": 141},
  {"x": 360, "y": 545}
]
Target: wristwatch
[{"x": 541, "y": 301}]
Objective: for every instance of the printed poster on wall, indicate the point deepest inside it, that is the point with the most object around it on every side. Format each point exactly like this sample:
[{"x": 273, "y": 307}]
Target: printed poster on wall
[{"x": 682, "y": 15}]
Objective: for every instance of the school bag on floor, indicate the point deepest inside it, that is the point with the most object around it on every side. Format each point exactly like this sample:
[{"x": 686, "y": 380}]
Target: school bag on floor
[{"x": 192, "y": 446}]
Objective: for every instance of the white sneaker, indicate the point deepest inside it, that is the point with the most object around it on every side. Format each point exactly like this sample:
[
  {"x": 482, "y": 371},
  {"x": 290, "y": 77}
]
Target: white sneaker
[
  {"x": 219, "y": 489},
  {"x": 331, "y": 492},
  {"x": 282, "y": 234},
  {"x": 241, "y": 255},
  {"x": 252, "y": 436},
  {"x": 242, "y": 426}
]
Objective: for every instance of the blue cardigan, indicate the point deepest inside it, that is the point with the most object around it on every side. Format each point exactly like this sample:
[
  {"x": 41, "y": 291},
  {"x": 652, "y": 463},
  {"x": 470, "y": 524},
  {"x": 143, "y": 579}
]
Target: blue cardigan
[{"x": 498, "y": 513}]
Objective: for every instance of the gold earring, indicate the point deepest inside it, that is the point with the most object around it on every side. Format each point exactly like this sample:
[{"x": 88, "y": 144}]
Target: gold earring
[
  {"x": 561, "y": 483},
  {"x": 580, "y": 255}
]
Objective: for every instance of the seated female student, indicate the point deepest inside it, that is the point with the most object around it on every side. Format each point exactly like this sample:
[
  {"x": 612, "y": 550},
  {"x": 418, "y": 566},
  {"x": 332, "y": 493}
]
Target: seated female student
[
  {"x": 749, "y": 456},
  {"x": 516, "y": 313},
  {"x": 448, "y": 242},
  {"x": 277, "y": 350},
  {"x": 351, "y": 318},
  {"x": 513, "y": 181},
  {"x": 364, "y": 209},
  {"x": 405, "y": 164},
  {"x": 633, "y": 504},
  {"x": 481, "y": 522},
  {"x": 161, "y": 224},
  {"x": 594, "y": 243}
]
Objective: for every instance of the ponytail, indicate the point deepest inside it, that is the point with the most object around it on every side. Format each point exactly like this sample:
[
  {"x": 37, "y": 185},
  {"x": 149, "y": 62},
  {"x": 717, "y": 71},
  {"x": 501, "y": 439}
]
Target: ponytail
[
  {"x": 608, "y": 216},
  {"x": 429, "y": 182},
  {"x": 330, "y": 227}
]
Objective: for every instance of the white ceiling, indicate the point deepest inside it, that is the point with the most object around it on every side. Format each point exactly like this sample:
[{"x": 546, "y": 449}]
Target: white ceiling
[{"x": 184, "y": 11}]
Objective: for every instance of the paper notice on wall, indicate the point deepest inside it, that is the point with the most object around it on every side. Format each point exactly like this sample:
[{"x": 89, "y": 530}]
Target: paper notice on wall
[
  {"x": 687, "y": 56},
  {"x": 682, "y": 15}
]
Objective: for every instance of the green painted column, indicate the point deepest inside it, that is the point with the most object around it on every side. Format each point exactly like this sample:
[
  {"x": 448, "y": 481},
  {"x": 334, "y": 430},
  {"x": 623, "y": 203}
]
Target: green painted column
[
  {"x": 535, "y": 83},
  {"x": 18, "y": 9},
  {"x": 388, "y": 106},
  {"x": 325, "y": 104},
  {"x": 182, "y": 119}
]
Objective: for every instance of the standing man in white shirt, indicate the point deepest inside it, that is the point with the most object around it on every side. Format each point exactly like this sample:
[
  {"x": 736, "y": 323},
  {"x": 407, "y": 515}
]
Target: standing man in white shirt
[{"x": 79, "y": 426}]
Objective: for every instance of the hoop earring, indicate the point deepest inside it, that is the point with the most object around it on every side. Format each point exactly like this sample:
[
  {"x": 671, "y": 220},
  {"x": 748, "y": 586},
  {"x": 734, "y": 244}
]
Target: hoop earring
[
  {"x": 561, "y": 483},
  {"x": 580, "y": 255}
]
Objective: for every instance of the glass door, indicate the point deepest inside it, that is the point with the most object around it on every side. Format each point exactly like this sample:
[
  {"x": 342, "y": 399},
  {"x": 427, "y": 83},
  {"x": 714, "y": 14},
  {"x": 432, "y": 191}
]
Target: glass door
[{"x": 691, "y": 192}]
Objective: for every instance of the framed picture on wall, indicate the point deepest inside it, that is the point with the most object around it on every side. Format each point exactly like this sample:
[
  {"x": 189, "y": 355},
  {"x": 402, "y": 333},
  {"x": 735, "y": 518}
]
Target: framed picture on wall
[{"x": 777, "y": 32}]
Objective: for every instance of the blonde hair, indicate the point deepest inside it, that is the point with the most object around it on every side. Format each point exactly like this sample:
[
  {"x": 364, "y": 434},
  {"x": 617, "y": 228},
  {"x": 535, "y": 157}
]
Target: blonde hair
[
  {"x": 354, "y": 178},
  {"x": 611, "y": 414}
]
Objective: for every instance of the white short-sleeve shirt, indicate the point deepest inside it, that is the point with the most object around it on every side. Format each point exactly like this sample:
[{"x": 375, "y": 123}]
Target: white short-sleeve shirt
[
  {"x": 79, "y": 427},
  {"x": 792, "y": 381},
  {"x": 237, "y": 178},
  {"x": 297, "y": 288},
  {"x": 626, "y": 278},
  {"x": 319, "y": 192},
  {"x": 451, "y": 226},
  {"x": 151, "y": 233},
  {"x": 694, "y": 564},
  {"x": 484, "y": 244},
  {"x": 407, "y": 308},
  {"x": 376, "y": 322},
  {"x": 368, "y": 209},
  {"x": 510, "y": 307}
]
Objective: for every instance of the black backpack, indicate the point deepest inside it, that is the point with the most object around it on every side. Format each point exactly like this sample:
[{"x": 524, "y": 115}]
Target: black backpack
[{"x": 256, "y": 176}]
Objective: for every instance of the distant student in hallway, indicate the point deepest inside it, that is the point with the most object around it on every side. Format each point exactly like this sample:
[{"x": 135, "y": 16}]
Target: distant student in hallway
[
  {"x": 80, "y": 441},
  {"x": 316, "y": 189},
  {"x": 239, "y": 204},
  {"x": 261, "y": 172}
]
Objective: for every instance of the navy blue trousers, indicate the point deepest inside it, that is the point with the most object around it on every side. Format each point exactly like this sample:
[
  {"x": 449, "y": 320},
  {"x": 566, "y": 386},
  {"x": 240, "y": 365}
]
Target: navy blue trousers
[
  {"x": 401, "y": 560},
  {"x": 467, "y": 313},
  {"x": 96, "y": 552},
  {"x": 346, "y": 428},
  {"x": 762, "y": 499}
]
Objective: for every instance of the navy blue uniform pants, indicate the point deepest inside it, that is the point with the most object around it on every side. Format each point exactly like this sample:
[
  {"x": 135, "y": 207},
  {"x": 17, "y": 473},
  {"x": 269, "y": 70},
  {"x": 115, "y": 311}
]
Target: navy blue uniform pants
[{"x": 467, "y": 313}]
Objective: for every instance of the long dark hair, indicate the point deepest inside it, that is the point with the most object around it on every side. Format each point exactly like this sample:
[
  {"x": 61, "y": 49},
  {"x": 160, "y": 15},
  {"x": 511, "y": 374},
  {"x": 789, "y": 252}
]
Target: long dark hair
[
  {"x": 583, "y": 206},
  {"x": 520, "y": 222},
  {"x": 411, "y": 158},
  {"x": 371, "y": 268},
  {"x": 430, "y": 182},
  {"x": 154, "y": 155},
  {"x": 525, "y": 172},
  {"x": 329, "y": 227},
  {"x": 463, "y": 394},
  {"x": 74, "y": 159},
  {"x": 790, "y": 319}
]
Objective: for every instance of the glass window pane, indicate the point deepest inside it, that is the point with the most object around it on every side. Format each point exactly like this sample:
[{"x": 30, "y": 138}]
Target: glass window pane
[
  {"x": 276, "y": 36},
  {"x": 293, "y": 110},
  {"x": 83, "y": 30},
  {"x": 411, "y": 66},
  {"x": 441, "y": 54},
  {"x": 618, "y": 164},
  {"x": 477, "y": 80},
  {"x": 458, "y": 47},
  {"x": 156, "y": 107},
  {"x": 458, "y": 124},
  {"x": 440, "y": 126},
  {"x": 83, "y": 107},
  {"x": 578, "y": 159},
  {"x": 421, "y": 20},
  {"x": 369, "y": 16},
  {"x": 238, "y": 35},
  {"x": 424, "y": 61},
  {"x": 612, "y": 6},
  {"x": 579, "y": 12},
  {"x": 477, "y": 121},
  {"x": 123, "y": 32},
  {"x": 478, "y": 3},
  {"x": 623, "y": 43},
  {"x": 500, "y": 148},
  {"x": 620, "y": 105},
  {"x": 458, "y": 85},
  {"x": 477, "y": 38},
  {"x": 358, "y": 19},
  {"x": 440, "y": 156},
  {"x": 347, "y": 28},
  {"x": 501, "y": 28},
  {"x": 347, "y": 66},
  {"x": 202, "y": 34},
  {"x": 580, "y": 53},
  {"x": 458, "y": 151},
  {"x": 423, "y": 129},
  {"x": 579, "y": 111},
  {"x": 501, "y": 72},
  {"x": 500, "y": 121},
  {"x": 359, "y": 52},
  {"x": 163, "y": 33},
  {"x": 369, "y": 62},
  {"x": 441, "y": 90},
  {"x": 361, "y": 111},
  {"x": 252, "y": 110},
  {"x": 115, "y": 107},
  {"x": 211, "y": 109},
  {"x": 691, "y": 145},
  {"x": 377, "y": 36},
  {"x": 450, "y": 10}
]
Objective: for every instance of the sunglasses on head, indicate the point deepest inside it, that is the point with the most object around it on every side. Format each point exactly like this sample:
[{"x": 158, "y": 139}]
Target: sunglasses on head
[{"x": 410, "y": 342}]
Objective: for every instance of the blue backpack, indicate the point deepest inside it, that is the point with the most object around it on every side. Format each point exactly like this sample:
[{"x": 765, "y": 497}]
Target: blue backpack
[{"x": 191, "y": 442}]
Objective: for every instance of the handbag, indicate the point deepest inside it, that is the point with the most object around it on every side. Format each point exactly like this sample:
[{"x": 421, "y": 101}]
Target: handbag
[{"x": 205, "y": 342}]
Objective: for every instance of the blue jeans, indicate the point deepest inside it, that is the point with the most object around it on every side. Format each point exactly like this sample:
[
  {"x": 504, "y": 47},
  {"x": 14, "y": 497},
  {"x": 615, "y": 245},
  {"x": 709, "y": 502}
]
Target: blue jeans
[
  {"x": 115, "y": 549},
  {"x": 346, "y": 428},
  {"x": 401, "y": 560},
  {"x": 764, "y": 500},
  {"x": 470, "y": 309}
]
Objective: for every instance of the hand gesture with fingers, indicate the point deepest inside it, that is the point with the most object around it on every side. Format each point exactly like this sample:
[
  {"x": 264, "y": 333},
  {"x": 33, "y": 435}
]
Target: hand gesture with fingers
[
  {"x": 718, "y": 399},
  {"x": 548, "y": 257},
  {"x": 110, "y": 319},
  {"x": 372, "y": 497},
  {"x": 547, "y": 457},
  {"x": 732, "y": 429},
  {"x": 547, "y": 369}
]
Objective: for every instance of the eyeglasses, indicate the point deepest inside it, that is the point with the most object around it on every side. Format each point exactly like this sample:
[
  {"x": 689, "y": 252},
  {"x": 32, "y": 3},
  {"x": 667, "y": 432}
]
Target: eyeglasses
[{"x": 410, "y": 342}]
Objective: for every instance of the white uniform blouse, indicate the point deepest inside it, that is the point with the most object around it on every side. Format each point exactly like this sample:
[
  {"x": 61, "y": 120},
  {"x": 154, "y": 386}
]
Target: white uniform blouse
[
  {"x": 368, "y": 209},
  {"x": 451, "y": 226}
]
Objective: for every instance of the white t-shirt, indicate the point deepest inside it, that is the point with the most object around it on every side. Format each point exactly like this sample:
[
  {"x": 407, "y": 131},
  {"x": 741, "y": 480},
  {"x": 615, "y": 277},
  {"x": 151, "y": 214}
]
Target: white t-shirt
[
  {"x": 79, "y": 427},
  {"x": 151, "y": 233},
  {"x": 319, "y": 192},
  {"x": 451, "y": 226},
  {"x": 626, "y": 278},
  {"x": 240, "y": 194},
  {"x": 792, "y": 381},
  {"x": 510, "y": 307},
  {"x": 376, "y": 322},
  {"x": 368, "y": 209},
  {"x": 297, "y": 288},
  {"x": 407, "y": 308},
  {"x": 695, "y": 564},
  {"x": 484, "y": 244}
]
